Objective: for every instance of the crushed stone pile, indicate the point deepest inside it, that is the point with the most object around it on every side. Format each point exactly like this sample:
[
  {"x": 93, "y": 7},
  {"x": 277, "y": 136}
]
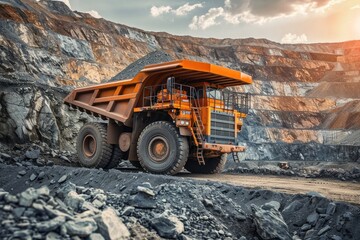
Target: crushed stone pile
[
  {"x": 57, "y": 202},
  {"x": 134, "y": 68}
]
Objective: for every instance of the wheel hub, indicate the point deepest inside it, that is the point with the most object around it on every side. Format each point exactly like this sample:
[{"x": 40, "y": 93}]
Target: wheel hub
[
  {"x": 89, "y": 145},
  {"x": 158, "y": 149}
]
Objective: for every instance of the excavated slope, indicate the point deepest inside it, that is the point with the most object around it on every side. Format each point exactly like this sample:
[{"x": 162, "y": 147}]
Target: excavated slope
[{"x": 299, "y": 93}]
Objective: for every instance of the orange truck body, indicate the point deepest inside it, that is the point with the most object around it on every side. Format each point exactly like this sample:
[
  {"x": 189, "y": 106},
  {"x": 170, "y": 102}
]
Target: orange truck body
[{"x": 119, "y": 101}]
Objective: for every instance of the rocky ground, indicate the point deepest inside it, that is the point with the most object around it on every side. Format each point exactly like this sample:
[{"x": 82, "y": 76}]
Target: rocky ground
[{"x": 47, "y": 201}]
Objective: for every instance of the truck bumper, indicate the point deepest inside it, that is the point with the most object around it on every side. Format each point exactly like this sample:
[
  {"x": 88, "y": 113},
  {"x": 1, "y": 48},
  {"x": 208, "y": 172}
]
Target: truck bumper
[{"x": 223, "y": 148}]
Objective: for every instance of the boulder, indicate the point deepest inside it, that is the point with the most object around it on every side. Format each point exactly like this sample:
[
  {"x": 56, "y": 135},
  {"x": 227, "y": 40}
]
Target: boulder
[
  {"x": 50, "y": 225},
  {"x": 110, "y": 225},
  {"x": 167, "y": 227},
  {"x": 74, "y": 201},
  {"x": 81, "y": 227},
  {"x": 270, "y": 223},
  {"x": 142, "y": 200},
  {"x": 33, "y": 154},
  {"x": 27, "y": 197}
]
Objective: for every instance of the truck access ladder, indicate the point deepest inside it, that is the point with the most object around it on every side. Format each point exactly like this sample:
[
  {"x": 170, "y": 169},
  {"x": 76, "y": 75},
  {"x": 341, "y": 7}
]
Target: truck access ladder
[{"x": 198, "y": 132}]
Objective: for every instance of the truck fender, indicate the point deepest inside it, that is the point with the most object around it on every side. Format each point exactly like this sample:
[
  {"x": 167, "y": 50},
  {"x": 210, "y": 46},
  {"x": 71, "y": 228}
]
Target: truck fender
[{"x": 184, "y": 131}]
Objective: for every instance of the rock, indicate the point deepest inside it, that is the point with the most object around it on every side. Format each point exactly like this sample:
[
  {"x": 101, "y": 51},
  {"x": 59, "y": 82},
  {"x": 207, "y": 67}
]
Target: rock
[
  {"x": 98, "y": 204},
  {"x": 22, "y": 173},
  {"x": 41, "y": 175},
  {"x": 81, "y": 227},
  {"x": 167, "y": 227},
  {"x": 312, "y": 218},
  {"x": 128, "y": 210},
  {"x": 293, "y": 207},
  {"x": 27, "y": 197},
  {"x": 270, "y": 223},
  {"x": 142, "y": 200},
  {"x": 40, "y": 162},
  {"x": 22, "y": 234},
  {"x": 208, "y": 203},
  {"x": 314, "y": 194},
  {"x": 53, "y": 236},
  {"x": 324, "y": 230},
  {"x": 271, "y": 204},
  {"x": 145, "y": 190},
  {"x": 9, "y": 198},
  {"x": 74, "y": 201},
  {"x": 62, "y": 179},
  {"x": 335, "y": 237},
  {"x": 18, "y": 212},
  {"x": 330, "y": 210},
  {"x": 110, "y": 225},
  {"x": 305, "y": 227},
  {"x": 33, "y": 154},
  {"x": 5, "y": 156},
  {"x": 50, "y": 225},
  {"x": 43, "y": 191},
  {"x": 65, "y": 159},
  {"x": 32, "y": 177},
  {"x": 309, "y": 234},
  {"x": 96, "y": 236}
]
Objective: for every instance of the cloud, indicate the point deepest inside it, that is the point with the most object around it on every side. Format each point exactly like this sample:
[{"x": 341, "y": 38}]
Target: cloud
[
  {"x": 291, "y": 38},
  {"x": 355, "y": 7},
  {"x": 186, "y": 8},
  {"x": 180, "y": 11},
  {"x": 259, "y": 11},
  {"x": 157, "y": 11},
  {"x": 64, "y": 1},
  {"x": 207, "y": 20},
  {"x": 94, "y": 13}
]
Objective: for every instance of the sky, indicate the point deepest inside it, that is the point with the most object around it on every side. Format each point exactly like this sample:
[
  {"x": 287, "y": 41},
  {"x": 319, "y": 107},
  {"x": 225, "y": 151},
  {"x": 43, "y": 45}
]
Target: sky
[{"x": 285, "y": 21}]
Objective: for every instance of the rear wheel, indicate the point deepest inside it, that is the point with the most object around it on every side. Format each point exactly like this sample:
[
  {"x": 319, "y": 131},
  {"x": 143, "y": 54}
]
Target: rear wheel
[
  {"x": 92, "y": 147},
  {"x": 116, "y": 157},
  {"x": 212, "y": 165},
  {"x": 161, "y": 149}
]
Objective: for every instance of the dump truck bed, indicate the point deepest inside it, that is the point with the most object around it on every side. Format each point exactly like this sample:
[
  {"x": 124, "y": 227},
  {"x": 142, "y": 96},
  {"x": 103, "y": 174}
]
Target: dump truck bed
[{"x": 117, "y": 100}]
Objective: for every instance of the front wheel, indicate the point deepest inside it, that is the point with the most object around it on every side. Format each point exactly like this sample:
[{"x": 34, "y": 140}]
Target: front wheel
[
  {"x": 161, "y": 149},
  {"x": 212, "y": 165}
]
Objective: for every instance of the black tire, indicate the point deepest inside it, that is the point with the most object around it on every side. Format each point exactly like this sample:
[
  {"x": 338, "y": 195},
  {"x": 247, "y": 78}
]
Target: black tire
[
  {"x": 92, "y": 147},
  {"x": 116, "y": 158},
  {"x": 212, "y": 165},
  {"x": 136, "y": 164},
  {"x": 161, "y": 149}
]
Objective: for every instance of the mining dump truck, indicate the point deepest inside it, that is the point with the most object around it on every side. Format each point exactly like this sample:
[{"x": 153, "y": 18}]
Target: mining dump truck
[{"x": 169, "y": 116}]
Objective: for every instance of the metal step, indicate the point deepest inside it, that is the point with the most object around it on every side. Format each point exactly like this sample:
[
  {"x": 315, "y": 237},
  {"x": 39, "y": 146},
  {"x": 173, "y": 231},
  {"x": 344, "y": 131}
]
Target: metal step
[
  {"x": 200, "y": 156},
  {"x": 236, "y": 157}
]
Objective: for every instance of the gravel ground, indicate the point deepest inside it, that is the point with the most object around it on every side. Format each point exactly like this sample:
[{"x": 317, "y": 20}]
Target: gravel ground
[{"x": 61, "y": 202}]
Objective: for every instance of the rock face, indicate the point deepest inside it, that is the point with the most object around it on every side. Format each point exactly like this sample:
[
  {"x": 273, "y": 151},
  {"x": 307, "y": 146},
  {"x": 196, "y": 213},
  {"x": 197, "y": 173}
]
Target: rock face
[{"x": 305, "y": 103}]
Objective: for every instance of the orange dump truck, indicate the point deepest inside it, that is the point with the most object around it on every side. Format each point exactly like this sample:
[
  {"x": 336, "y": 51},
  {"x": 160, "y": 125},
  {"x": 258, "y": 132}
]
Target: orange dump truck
[{"x": 169, "y": 116}]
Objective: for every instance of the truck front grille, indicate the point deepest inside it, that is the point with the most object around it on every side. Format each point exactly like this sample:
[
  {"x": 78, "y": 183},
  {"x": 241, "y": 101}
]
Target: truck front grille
[{"x": 222, "y": 128}]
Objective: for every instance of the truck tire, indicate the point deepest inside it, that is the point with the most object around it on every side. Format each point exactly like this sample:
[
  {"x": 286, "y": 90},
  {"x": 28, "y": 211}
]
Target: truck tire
[
  {"x": 115, "y": 159},
  {"x": 92, "y": 147},
  {"x": 212, "y": 165},
  {"x": 161, "y": 149}
]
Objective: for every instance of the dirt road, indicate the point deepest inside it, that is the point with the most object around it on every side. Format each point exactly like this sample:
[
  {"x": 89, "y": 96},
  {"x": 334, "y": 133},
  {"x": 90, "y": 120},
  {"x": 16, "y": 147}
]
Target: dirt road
[{"x": 333, "y": 189}]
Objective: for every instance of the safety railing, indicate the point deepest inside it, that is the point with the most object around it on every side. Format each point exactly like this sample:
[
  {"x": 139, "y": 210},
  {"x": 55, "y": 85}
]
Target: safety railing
[
  {"x": 224, "y": 99},
  {"x": 168, "y": 95}
]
